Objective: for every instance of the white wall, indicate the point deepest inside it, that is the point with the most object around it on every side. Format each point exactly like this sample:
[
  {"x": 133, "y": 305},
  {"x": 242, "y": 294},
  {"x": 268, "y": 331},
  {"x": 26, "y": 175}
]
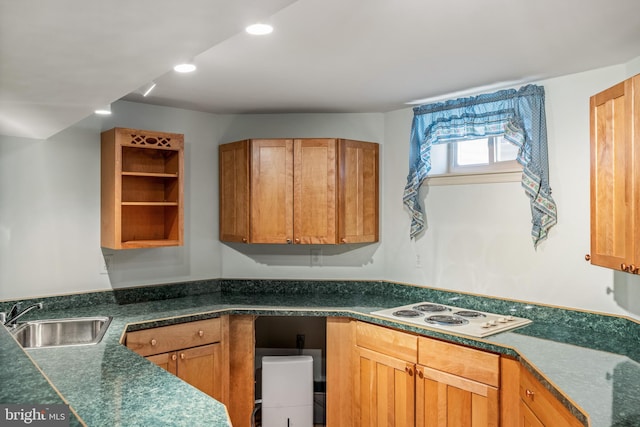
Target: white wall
[
  {"x": 478, "y": 237},
  {"x": 50, "y": 209}
]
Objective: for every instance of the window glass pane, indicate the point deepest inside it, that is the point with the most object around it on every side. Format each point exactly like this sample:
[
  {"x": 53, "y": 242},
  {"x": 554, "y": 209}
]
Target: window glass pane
[
  {"x": 474, "y": 152},
  {"x": 439, "y": 159},
  {"x": 505, "y": 151}
]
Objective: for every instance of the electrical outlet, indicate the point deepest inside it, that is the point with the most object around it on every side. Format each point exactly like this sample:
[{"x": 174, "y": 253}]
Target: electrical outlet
[
  {"x": 108, "y": 263},
  {"x": 316, "y": 257}
]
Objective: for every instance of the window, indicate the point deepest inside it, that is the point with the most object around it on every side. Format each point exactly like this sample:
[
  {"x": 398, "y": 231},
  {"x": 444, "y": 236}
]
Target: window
[
  {"x": 464, "y": 162},
  {"x": 516, "y": 115}
]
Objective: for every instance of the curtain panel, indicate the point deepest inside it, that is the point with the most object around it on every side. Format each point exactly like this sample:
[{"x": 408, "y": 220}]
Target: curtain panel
[{"x": 518, "y": 115}]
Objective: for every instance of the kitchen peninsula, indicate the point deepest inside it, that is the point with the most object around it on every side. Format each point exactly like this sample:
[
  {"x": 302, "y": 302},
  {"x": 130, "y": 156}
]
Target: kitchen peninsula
[{"x": 589, "y": 362}]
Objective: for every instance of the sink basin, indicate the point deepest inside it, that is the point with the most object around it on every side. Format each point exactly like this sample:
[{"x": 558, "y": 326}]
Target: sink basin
[{"x": 61, "y": 332}]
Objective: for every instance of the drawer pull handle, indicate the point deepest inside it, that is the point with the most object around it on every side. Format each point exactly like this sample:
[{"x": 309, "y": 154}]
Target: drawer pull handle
[
  {"x": 200, "y": 334},
  {"x": 174, "y": 357},
  {"x": 529, "y": 394},
  {"x": 154, "y": 342}
]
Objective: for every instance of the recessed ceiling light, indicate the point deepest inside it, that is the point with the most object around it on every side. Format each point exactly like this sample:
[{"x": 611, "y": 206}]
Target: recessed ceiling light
[
  {"x": 146, "y": 89},
  {"x": 186, "y": 67},
  {"x": 259, "y": 29},
  {"x": 104, "y": 111}
]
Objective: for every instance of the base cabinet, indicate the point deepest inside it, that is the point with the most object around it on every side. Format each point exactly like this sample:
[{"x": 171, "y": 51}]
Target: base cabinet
[
  {"x": 377, "y": 376},
  {"x": 527, "y": 417},
  {"x": 192, "y": 351},
  {"x": 539, "y": 407},
  {"x": 405, "y": 380},
  {"x": 385, "y": 390},
  {"x": 199, "y": 366},
  {"x": 448, "y": 400},
  {"x": 456, "y": 385},
  {"x": 213, "y": 355}
]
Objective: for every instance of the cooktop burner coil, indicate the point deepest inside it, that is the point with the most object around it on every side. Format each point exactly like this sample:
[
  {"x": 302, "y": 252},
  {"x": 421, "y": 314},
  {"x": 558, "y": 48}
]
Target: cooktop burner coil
[
  {"x": 407, "y": 313},
  {"x": 431, "y": 308},
  {"x": 443, "y": 319},
  {"x": 469, "y": 313}
]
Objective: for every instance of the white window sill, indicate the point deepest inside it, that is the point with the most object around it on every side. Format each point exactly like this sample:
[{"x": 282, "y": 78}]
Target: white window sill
[{"x": 484, "y": 178}]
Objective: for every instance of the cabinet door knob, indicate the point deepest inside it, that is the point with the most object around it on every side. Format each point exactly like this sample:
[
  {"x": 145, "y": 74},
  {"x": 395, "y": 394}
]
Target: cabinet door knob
[
  {"x": 409, "y": 370},
  {"x": 297, "y": 240},
  {"x": 633, "y": 268},
  {"x": 200, "y": 334},
  {"x": 420, "y": 373},
  {"x": 624, "y": 267},
  {"x": 529, "y": 393},
  {"x": 182, "y": 356},
  {"x": 154, "y": 342},
  {"x": 244, "y": 240},
  {"x": 174, "y": 357},
  {"x": 587, "y": 257},
  {"x": 288, "y": 241}
]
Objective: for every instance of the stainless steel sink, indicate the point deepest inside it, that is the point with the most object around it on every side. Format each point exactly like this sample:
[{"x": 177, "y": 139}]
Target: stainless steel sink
[{"x": 61, "y": 332}]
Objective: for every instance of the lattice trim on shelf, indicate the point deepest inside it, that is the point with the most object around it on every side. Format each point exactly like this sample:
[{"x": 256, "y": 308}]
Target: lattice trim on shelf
[{"x": 158, "y": 141}]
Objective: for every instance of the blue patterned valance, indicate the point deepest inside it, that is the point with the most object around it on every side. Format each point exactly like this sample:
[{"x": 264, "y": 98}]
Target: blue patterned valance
[{"x": 519, "y": 115}]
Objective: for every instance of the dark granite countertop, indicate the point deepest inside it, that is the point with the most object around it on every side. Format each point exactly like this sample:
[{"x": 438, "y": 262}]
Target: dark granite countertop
[{"x": 590, "y": 361}]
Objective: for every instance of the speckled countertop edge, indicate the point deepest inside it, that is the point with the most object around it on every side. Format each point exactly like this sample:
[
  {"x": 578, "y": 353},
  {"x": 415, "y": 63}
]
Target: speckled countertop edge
[{"x": 316, "y": 299}]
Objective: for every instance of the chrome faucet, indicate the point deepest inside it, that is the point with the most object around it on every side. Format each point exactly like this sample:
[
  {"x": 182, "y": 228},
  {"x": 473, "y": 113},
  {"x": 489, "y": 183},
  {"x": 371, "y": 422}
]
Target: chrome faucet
[{"x": 10, "y": 319}]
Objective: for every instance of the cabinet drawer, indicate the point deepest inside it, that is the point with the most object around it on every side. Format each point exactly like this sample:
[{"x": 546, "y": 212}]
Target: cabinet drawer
[
  {"x": 543, "y": 404},
  {"x": 174, "y": 337},
  {"x": 458, "y": 360},
  {"x": 387, "y": 341}
]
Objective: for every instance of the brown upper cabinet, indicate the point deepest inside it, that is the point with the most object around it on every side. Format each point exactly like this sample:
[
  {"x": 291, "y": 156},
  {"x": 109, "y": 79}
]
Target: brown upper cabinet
[
  {"x": 615, "y": 177},
  {"x": 142, "y": 175},
  {"x": 299, "y": 191}
]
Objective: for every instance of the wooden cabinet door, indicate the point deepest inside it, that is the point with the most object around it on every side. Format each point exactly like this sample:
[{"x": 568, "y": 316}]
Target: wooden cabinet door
[
  {"x": 167, "y": 361},
  {"x": 340, "y": 370},
  {"x": 614, "y": 161},
  {"x": 315, "y": 191},
  {"x": 233, "y": 160},
  {"x": 446, "y": 400},
  {"x": 272, "y": 191},
  {"x": 202, "y": 368},
  {"x": 527, "y": 417},
  {"x": 384, "y": 391},
  {"x": 358, "y": 192},
  {"x": 542, "y": 404}
]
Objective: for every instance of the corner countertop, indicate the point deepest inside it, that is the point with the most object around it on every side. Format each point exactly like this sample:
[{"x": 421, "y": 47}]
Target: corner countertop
[{"x": 591, "y": 362}]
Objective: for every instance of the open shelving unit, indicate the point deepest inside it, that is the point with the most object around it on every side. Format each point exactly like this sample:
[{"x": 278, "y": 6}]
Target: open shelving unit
[{"x": 141, "y": 189}]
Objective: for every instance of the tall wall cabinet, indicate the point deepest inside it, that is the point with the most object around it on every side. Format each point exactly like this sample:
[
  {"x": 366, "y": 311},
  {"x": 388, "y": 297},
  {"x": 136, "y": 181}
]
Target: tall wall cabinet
[
  {"x": 299, "y": 191},
  {"x": 615, "y": 177},
  {"x": 142, "y": 175}
]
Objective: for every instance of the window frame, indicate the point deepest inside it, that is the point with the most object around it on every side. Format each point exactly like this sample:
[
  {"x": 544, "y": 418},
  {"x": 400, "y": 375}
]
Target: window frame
[{"x": 494, "y": 171}]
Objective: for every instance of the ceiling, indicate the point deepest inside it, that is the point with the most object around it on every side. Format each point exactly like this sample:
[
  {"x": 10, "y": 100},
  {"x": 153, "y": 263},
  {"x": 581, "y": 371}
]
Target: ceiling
[{"x": 61, "y": 60}]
